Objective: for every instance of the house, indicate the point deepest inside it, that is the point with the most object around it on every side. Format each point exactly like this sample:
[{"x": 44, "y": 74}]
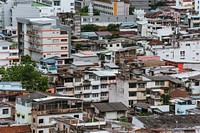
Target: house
[
  {"x": 71, "y": 124},
  {"x": 89, "y": 35},
  {"x": 110, "y": 110},
  {"x": 182, "y": 105},
  {"x": 86, "y": 56},
  {"x": 37, "y": 108},
  {"x": 194, "y": 86}
]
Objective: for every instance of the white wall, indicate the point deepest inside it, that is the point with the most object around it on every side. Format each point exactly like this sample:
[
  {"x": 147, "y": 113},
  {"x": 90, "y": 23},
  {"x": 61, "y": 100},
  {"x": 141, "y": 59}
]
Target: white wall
[
  {"x": 5, "y": 115},
  {"x": 23, "y": 110}
]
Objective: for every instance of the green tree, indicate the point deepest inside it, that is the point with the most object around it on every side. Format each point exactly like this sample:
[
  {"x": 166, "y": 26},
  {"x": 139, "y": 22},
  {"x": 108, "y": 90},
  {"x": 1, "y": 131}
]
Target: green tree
[
  {"x": 31, "y": 79},
  {"x": 131, "y": 10},
  {"x": 89, "y": 28},
  {"x": 113, "y": 27},
  {"x": 165, "y": 99},
  {"x": 84, "y": 11}
]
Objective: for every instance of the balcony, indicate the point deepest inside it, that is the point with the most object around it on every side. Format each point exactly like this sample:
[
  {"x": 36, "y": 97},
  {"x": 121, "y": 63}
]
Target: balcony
[
  {"x": 69, "y": 85},
  {"x": 155, "y": 96},
  {"x": 57, "y": 111},
  {"x": 86, "y": 82},
  {"x": 141, "y": 97}
]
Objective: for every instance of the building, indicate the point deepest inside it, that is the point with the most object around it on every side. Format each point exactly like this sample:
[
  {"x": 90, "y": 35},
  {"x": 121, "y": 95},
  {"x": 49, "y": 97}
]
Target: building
[
  {"x": 39, "y": 36},
  {"x": 37, "y": 109},
  {"x": 106, "y": 20},
  {"x": 60, "y": 6},
  {"x": 15, "y": 128},
  {"x": 9, "y": 54},
  {"x": 86, "y": 56},
  {"x": 110, "y": 110},
  {"x": 182, "y": 105},
  {"x": 140, "y": 4},
  {"x": 111, "y": 7}
]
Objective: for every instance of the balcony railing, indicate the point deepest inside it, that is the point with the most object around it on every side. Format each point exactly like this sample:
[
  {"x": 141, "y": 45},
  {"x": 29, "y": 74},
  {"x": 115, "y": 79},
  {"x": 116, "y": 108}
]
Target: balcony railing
[{"x": 56, "y": 111}]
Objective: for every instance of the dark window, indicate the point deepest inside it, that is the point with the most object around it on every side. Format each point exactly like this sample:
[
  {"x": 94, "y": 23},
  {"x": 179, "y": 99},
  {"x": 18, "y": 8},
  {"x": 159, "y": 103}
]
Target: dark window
[
  {"x": 41, "y": 121},
  {"x": 76, "y": 116},
  {"x": 33, "y": 120},
  {"x": 5, "y": 111},
  {"x": 63, "y": 32},
  {"x": 161, "y": 83},
  {"x": 132, "y": 85},
  {"x": 141, "y": 85},
  {"x": 96, "y": 87},
  {"x": 23, "y": 117},
  {"x": 197, "y": 83},
  {"x": 63, "y": 40},
  {"x": 132, "y": 93},
  {"x": 40, "y": 131},
  {"x": 4, "y": 48}
]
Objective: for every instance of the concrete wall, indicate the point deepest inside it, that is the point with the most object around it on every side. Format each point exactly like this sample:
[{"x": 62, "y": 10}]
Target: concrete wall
[{"x": 5, "y": 115}]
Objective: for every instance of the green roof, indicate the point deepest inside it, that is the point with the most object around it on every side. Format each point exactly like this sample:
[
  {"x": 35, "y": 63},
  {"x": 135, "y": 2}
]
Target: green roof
[
  {"x": 105, "y": 52},
  {"x": 38, "y": 4}
]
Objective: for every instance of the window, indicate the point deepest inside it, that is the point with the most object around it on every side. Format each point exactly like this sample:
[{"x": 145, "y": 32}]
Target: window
[
  {"x": 182, "y": 53},
  {"x": 78, "y": 88},
  {"x": 161, "y": 83},
  {"x": 141, "y": 85},
  {"x": 132, "y": 93},
  {"x": 33, "y": 120},
  {"x": 71, "y": 4},
  {"x": 41, "y": 121},
  {"x": 166, "y": 91},
  {"x": 132, "y": 85},
  {"x": 110, "y": 45},
  {"x": 104, "y": 94},
  {"x": 187, "y": 44},
  {"x": 40, "y": 131},
  {"x": 33, "y": 131},
  {"x": 197, "y": 53},
  {"x": 23, "y": 117},
  {"x": 197, "y": 83},
  {"x": 63, "y": 48},
  {"x": 95, "y": 95},
  {"x": 77, "y": 96},
  {"x": 5, "y": 111},
  {"x": 56, "y": 3},
  {"x": 77, "y": 79},
  {"x": 55, "y": 40},
  {"x": 103, "y": 86},
  {"x": 96, "y": 87},
  {"x": 76, "y": 116},
  {"x": 63, "y": 32},
  {"x": 4, "y": 48},
  {"x": 63, "y": 40},
  {"x": 130, "y": 102},
  {"x": 86, "y": 87},
  {"x": 87, "y": 96}
]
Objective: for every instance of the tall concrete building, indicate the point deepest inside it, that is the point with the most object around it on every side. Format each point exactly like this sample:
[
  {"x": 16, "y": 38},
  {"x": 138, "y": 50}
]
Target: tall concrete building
[
  {"x": 43, "y": 38},
  {"x": 111, "y": 7},
  {"x": 140, "y": 4}
]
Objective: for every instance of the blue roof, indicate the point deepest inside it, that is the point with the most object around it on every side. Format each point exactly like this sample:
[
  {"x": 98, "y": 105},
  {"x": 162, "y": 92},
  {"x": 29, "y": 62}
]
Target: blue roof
[{"x": 2, "y": 35}]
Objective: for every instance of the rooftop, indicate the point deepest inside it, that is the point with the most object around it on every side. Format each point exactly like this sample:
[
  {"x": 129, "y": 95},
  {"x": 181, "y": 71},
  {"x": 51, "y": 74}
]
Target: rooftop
[
  {"x": 110, "y": 107},
  {"x": 15, "y": 129},
  {"x": 170, "y": 121}
]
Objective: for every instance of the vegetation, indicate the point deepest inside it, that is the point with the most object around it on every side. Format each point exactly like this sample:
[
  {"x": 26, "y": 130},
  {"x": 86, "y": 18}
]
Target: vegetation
[
  {"x": 84, "y": 11},
  {"x": 113, "y": 27},
  {"x": 165, "y": 99},
  {"x": 131, "y": 10},
  {"x": 123, "y": 119},
  {"x": 89, "y": 28},
  {"x": 74, "y": 37},
  {"x": 25, "y": 72}
]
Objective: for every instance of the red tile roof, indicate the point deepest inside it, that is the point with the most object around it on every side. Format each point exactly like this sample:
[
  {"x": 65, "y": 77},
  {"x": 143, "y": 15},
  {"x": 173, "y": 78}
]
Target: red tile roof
[
  {"x": 179, "y": 93},
  {"x": 16, "y": 129}
]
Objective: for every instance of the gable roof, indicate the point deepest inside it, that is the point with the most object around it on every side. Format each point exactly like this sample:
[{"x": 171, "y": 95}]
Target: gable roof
[{"x": 110, "y": 107}]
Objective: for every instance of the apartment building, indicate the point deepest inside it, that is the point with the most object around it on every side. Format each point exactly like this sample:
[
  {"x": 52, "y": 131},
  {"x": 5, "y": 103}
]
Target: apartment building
[
  {"x": 186, "y": 49},
  {"x": 140, "y": 4},
  {"x": 90, "y": 86},
  {"x": 43, "y": 38},
  {"x": 129, "y": 89},
  {"x": 37, "y": 109},
  {"x": 9, "y": 54},
  {"x": 60, "y": 5},
  {"x": 111, "y": 7}
]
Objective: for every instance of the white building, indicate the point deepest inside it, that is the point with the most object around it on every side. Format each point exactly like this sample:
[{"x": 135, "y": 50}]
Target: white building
[
  {"x": 60, "y": 5},
  {"x": 114, "y": 8},
  {"x": 9, "y": 54},
  {"x": 37, "y": 109},
  {"x": 43, "y": 38}
]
